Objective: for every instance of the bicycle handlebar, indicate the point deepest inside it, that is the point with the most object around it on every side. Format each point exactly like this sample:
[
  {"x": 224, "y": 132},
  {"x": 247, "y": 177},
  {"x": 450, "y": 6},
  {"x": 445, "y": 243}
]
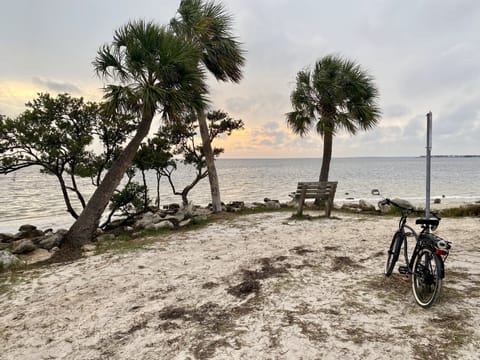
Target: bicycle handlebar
[
  {"x": 390, "y": 202},
  {"x": 408, "y": 209}
]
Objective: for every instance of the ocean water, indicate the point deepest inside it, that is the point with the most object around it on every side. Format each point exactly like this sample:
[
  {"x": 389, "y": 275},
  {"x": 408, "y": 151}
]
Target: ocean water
[{"x": 29, "y": 196}]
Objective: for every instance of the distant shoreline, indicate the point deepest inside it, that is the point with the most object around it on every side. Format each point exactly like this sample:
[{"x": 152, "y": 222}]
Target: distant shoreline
[{"x": 453, "y": 156}]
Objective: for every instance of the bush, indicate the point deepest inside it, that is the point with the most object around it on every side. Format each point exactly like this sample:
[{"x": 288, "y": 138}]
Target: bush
[{"x": 467, "y": 210}]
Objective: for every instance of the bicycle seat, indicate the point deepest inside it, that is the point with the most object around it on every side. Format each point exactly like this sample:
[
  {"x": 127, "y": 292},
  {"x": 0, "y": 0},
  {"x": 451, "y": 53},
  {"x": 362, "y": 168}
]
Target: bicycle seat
[{"x": 431, "y": 222}]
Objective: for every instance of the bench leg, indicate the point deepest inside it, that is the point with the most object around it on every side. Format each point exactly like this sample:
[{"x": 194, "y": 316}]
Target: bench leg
[
  {"x": 328, "y": 209},
  {"x": 301, "y": 201}
]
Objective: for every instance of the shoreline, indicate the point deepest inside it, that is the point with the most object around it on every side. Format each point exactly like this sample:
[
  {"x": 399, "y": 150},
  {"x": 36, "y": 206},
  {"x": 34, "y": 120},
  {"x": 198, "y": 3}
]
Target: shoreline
[
  {"x": 56, "y": 222},
  {"x": 256, "y": 286}
]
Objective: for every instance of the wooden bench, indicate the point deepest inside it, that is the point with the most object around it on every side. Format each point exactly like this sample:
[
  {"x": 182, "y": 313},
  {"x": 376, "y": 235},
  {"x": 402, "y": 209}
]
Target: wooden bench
[{"x": 322, "y": 192}]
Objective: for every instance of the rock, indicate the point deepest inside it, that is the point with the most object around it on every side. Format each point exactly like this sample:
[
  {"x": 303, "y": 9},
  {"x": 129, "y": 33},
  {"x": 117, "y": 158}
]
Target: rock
[
  {"x": 36, "y": 256},
  {"x": 23, "y": 246},
  {"x": 437, "y": 201},
  {"x": 27, "y": 228},
  {"x": 6, "y": 238},
  {"x": 384, "y": 208},
  {"x": 50, "y": 241},
  {"x": 162, "y": 225},
  {"x": 4, "y": 246},
  {"x": 364, "y": 206},
  {"x": 351, "y": 207},
  {"x": 28, "y": 232},
  {"x": 200, "y": 218},
  {"x": 9, "y": 261},
  {"x": 184, "y": 222},
  {"x": 403, "y": 203},
  {"x": 272, "y": 204},
  {"x": 144, "y": 221}
]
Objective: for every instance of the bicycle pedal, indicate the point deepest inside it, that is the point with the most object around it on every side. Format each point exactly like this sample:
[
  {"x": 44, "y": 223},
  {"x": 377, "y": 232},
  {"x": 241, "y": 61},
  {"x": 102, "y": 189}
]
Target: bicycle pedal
[{"x": 403, "y": 269}]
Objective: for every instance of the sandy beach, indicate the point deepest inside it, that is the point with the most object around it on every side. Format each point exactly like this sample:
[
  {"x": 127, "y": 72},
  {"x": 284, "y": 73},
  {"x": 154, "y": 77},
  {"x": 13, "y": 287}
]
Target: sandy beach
[{"x": 259, "y": 286}]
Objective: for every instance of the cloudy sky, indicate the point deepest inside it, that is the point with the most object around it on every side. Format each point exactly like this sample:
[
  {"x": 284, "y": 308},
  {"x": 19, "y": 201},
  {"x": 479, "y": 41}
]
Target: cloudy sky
[{"x": 423, "y": 54}]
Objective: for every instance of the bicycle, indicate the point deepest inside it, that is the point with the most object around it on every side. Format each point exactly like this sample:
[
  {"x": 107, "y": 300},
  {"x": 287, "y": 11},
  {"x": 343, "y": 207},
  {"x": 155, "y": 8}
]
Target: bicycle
[{"x": 426, "y": 264}]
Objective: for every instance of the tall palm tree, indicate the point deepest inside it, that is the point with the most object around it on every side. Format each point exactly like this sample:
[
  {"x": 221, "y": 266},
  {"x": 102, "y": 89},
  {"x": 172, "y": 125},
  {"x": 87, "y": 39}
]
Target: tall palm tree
[
  {"x": 154, "y": 71},
  {"x": 337, "y": 95},
  {"x": 209, "y": 27}
]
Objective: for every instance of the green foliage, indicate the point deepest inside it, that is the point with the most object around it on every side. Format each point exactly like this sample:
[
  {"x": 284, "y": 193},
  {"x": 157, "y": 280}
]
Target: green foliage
[
  {"x": 52, "y": 133},
  {"x": 129, "y": 200},
  {"x": 462, "y": 211},
  {"x": 182, "y": 137},
  {"x": 337, "y": 95},
  {"x": 155, "y": 70},
  {"x": 57, "y": 133},
  {"x": 209, "y": 27}
]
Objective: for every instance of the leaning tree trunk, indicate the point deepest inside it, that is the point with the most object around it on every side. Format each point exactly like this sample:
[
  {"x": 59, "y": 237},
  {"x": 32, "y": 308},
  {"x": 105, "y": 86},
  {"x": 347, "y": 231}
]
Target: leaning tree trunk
[
  {"x": 209, "y": 158},
  {"x": 327, "y": 156},
  {"x": 84, "y": 228}
]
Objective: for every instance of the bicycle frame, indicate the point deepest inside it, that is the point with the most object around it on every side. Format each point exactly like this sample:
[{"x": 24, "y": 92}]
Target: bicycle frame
[{"x": 422, "y": 240}]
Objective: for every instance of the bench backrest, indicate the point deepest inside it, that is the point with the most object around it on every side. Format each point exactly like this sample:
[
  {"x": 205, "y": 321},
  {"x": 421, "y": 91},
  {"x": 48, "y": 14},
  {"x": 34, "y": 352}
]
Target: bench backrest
[{"x": 314, "y": 190}]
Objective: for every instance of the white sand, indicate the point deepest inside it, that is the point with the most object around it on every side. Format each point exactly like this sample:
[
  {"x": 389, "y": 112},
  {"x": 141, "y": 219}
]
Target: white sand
[{"x": 171, "y": 300}]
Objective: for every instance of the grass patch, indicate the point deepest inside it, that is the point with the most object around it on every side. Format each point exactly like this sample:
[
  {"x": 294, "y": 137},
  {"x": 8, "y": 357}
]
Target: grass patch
[
  {"x": 308, "y": 217},
  {"x": 122, "y": 245},
  {"x": 462, "y": 211},
  {"x": 9, "y": 280}
]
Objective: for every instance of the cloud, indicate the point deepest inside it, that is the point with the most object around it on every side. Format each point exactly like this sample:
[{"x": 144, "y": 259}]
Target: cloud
[
  {"x": 56, "y": 86},
  {"x": 395, "y": 110},
  {"x": 14, "y": 95}
]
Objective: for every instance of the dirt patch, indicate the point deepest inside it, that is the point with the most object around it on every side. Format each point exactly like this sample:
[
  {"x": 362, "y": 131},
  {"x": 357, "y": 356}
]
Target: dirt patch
[
  {"x": 245, "y": 288},
  {"x": 209, "y": 285},
  {"x": 301, "y": 250},
  {"x": 344, "y": 263}
]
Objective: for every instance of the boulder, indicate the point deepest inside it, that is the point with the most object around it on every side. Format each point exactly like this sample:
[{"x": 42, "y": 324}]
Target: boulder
[
  {"x": 23, "y": 246},
  {"x": 9, "y": 261},
  {"x": 351, "y": 207},
  {"x": 36, "y": 256},
  {"x": 162, "y": 225},
  {"x": 184, "y": 222},
  {"x": 271, "y": 204},
  {"x": 6, "y": 238},
  {"x": 145, "y": 220},
  {"x": 27, "y": 228},
  {"x": 365, "y": 206},
  {"x": 50, "y": 241},
  {"x": 437, "y": 201},
  {"x": 28, "y": 232},
  {"x": 403, "y": 203}
]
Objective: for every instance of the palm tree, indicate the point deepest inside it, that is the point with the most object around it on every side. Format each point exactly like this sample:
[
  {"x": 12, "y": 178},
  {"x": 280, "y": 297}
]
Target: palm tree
[
  {"x": 337, "y": 95},
  {"x": 155, "y": 72},
  {"x": 209, "y": 27}
]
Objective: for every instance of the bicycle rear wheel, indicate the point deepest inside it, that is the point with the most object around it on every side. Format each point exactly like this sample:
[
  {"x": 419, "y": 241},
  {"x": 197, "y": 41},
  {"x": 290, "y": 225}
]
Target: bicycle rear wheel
[
  {"x": 394, "y": 252},
  {"x": 426, "y": 278}
]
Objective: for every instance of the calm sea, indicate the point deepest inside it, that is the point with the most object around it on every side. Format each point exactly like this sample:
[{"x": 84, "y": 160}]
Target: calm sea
[{"x": 29, "y": 196}]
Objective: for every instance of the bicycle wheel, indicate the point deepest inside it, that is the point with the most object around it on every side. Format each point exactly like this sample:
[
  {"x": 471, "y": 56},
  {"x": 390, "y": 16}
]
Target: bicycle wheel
[
  {"x": 426, "y": 278},
  {"x": 393, "y": 252}
]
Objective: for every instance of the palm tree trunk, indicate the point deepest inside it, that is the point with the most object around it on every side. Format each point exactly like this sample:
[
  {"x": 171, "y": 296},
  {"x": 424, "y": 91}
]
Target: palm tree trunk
[
  {"x": 327, "y": 156},
  {"x": 209, "y": 158},
  {"x": 84, "y": 228}
]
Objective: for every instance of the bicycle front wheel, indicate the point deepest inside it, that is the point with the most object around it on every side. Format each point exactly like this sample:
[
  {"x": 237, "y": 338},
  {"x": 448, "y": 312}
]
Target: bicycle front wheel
[
  {"x": 426, "y": 278},
  {"x": 393, "y": 252}
]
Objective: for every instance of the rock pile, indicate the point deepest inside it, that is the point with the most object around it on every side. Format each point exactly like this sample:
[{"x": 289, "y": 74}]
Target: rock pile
[{"x": 27, "y": 246}]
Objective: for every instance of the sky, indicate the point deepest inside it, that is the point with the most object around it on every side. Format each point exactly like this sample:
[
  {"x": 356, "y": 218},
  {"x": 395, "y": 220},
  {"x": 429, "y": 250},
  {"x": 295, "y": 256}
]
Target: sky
[{"x": 423, "y": 54}]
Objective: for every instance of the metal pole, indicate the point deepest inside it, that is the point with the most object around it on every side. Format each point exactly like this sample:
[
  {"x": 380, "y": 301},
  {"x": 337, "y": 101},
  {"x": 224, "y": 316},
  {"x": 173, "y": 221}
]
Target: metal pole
[{"x": 429, "y": 154}]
